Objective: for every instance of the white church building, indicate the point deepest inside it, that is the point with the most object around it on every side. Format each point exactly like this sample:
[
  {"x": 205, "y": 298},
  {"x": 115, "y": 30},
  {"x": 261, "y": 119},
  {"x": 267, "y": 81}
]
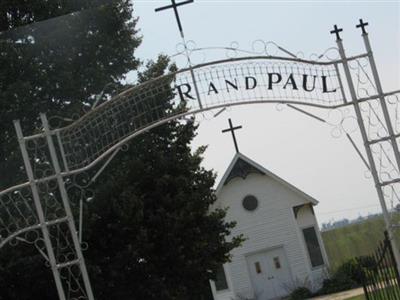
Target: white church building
[{"x": 283, "y": 247}]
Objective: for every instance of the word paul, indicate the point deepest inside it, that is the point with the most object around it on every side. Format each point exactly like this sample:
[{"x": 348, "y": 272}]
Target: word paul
[{"x": 305, "y": 82}]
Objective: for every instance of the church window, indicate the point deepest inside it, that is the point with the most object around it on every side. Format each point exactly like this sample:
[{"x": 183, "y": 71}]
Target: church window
[
  {"x": 250, "y": 203},
  {"x": 313, "y": 247},
  {"x": 277, "y": 262},
  {"x": 258, "y": 267},
  {"x": 220, "y": 282}
]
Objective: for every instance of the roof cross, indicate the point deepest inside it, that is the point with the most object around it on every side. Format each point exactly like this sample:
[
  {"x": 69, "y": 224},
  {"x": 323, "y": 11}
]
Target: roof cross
[
  {"x": 232, "y": 130},
  {"x": 337, "y": 31},
  {"x": 362, "y": 25},
  {"x": 174, "y": 6}
]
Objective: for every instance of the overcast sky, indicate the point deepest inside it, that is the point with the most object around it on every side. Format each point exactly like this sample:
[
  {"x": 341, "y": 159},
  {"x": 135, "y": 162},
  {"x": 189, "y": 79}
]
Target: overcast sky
[{"x": 295, "y": 147}]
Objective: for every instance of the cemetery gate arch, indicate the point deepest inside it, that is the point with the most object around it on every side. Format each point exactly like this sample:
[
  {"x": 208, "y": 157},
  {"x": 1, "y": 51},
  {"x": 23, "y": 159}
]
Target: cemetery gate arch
[{"x": 40, "y": 210}]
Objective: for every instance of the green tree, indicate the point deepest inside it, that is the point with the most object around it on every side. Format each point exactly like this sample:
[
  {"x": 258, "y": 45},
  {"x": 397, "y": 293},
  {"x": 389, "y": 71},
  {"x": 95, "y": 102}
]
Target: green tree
[
  {"x": 55, "y": 56},
  {"x": 152, "y": 234},
  {"x": 150, "y": 230}
]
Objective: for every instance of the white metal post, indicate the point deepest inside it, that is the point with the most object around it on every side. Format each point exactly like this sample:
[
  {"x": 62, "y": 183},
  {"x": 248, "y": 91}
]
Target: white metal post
[
  {"x": 389, "y": 128},
  {"x": 370, "y": 157},
  {"x": 382, "y": 99},
  {"x": 67, "y": 207},
  {"x": 39, "y": 211}
]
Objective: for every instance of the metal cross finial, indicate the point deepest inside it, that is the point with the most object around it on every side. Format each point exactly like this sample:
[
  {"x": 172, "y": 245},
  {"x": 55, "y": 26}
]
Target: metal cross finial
[
  {"x": 175, "y": 5},
  {"x": 232, "y": 130},
  {"x": 362, "y": 25},
  {"x": 337, "y": 31}
]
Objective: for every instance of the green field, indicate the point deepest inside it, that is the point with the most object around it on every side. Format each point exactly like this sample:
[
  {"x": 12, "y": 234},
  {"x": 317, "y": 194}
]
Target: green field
[{"x": 354, "y": 240}]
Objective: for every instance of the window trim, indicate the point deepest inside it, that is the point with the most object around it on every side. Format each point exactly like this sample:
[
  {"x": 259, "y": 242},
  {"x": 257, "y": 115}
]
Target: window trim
[
  {"x": 226, "y": 280},
  {"x": 250, "y": 211},
  {"x": 319, "y": 244}
]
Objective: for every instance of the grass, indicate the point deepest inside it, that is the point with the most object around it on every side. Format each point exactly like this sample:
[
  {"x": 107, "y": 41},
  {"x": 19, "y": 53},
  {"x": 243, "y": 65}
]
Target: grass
[{"x": 354, "y": 240}]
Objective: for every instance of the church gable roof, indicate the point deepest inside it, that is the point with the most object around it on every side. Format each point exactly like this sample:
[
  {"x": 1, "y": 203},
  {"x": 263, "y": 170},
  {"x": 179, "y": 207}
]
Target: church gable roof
[{"x": 242, "y": 166}]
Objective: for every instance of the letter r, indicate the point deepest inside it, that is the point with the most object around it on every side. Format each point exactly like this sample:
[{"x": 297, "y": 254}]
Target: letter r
[{"x": 184, "y": 93}]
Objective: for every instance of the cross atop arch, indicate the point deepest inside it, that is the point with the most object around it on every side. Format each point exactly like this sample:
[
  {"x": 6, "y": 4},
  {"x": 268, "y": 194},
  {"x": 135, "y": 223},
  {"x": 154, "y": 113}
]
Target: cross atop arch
[
  {"x": 362, "y": 25},
  {"x": 174, "y": 6},
  {"x": 336, "y": 31}
]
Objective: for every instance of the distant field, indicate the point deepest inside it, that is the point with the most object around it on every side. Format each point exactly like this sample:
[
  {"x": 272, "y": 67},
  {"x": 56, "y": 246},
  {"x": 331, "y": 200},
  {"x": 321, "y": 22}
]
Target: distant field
[{"x": 354, "y": 240}]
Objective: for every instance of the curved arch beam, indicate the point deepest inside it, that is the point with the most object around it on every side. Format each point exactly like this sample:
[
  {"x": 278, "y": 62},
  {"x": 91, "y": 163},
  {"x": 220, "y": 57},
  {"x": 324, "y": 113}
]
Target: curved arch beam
[
  {"x": 222, "y": 83},
  {"x": 169, "y": 82}
]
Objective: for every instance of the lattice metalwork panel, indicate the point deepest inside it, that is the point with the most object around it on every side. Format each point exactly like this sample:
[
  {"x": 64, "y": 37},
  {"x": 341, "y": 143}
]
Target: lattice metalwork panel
[
  {"x": 382, "y": 149},
  {"x": 103, "y": 127},
  {"x": 17, "y": 216},
  {"x": 379, "y": 138},
  {"x": 231, "y": 83},
  {"x": 73, "y": 283},
  {"x": 264, "y": 80},
  {"x": 67, "y": 261}
]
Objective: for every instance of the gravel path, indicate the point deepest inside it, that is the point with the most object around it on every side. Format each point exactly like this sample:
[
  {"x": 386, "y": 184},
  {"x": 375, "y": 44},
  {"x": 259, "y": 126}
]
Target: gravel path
[{"x": 341, "y": 295}]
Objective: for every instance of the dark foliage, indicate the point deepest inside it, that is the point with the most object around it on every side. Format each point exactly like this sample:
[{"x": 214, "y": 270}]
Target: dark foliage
[
  {"x": 347, "y": 276},
  {"x": 54, "y": 57},
  {"x": 300, "y": 293},
  {"x": 153, "y": 210},
  {"x": 55, "y": 61},
  {"x": 150, "y": 231}
]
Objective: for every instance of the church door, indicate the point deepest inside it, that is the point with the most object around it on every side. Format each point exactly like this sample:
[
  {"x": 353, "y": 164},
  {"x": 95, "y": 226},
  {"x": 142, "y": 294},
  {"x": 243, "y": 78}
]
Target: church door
[{"x": 269, "y": 273}]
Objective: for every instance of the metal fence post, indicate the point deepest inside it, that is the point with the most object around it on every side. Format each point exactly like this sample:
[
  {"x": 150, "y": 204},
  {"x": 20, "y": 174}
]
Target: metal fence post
[
  {"x": 67, "y": 207},
  {"x": 370, "y": 157},
  {"x": 39, "y": 211}
]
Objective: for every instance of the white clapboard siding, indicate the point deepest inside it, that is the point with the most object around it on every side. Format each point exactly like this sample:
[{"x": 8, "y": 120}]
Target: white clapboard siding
[{"x": 307, "y": 218}]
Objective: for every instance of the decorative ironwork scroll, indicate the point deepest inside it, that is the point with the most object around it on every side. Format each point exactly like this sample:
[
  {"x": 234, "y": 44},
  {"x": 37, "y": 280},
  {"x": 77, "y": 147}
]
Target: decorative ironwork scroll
[{"x": 220, "y": 84}]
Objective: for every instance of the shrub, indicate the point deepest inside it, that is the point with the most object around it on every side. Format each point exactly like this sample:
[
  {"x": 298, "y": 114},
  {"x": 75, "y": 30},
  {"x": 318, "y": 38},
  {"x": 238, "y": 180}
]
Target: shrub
[
  {"x": 352, "y": 271},
  {"x": 349, "y": 275},
  {"x": 334, "y": 285},
  {"x": 300, "y": 293}
]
